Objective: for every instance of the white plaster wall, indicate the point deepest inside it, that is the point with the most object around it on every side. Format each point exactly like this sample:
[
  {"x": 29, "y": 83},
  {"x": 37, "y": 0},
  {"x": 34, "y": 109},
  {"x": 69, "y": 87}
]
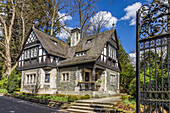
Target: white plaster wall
[{"x": 53, "y": 74}]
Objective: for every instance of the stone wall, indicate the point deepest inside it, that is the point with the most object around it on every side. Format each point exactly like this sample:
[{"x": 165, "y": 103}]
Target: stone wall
[
  {"x": 39, "y": 86},
  {"x": 71, "y": 84},
  {"x": 112, "y": 89}
]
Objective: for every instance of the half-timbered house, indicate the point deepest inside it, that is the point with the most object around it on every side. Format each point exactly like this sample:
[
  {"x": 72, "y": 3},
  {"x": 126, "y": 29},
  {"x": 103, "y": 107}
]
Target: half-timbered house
[{"x": 88, "y": 65}]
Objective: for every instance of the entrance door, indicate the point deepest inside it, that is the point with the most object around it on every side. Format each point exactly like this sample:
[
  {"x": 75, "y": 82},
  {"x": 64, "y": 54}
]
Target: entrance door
[
  {"x": 87, "y": 80},
  {"x": 87, "y": 76}
]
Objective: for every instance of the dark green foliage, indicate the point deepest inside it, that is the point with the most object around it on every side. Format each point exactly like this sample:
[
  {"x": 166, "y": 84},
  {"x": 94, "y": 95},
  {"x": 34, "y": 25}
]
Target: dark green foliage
[
  {"x": 14, "y": 82},
  {"x": 86, "y": 96},
  {"x": 149, "y": 77},
  {"x": 128, "y": 71},
  {"x": 148, "y": 60},
  {"x": 3, "y": 83},
  {"x": 72, "y": 98}
]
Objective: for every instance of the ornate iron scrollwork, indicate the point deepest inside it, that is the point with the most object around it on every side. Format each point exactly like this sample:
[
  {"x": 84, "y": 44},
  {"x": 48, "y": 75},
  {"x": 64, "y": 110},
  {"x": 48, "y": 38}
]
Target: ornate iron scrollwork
[
  {"x": 153, "y": 19},
  {"x": 153, "y": 58}
]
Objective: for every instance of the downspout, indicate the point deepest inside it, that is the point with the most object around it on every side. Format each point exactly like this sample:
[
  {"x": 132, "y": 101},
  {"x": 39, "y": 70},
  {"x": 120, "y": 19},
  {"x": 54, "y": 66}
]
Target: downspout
[{"x": 58, "y": 74}]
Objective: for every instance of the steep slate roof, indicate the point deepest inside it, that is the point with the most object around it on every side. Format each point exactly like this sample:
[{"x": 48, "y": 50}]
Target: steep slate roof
[
  {"x": 94, "y": 49},
  {"x": 48, "y": 44}
]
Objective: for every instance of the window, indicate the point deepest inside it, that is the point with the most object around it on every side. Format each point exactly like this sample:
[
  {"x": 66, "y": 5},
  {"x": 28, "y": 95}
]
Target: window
[
  {"x": 27, "y": 79},
  {"x": 65, "y": 77},
  {"x": 30, "y": 78},
  {"x": 47, "y": 78},
  {"x": 111, "y": 52},
  {"x": 25, "y": 54},
  {"x": 32, "y": 53},
  {"x": 89, "y": 41},
  {"x": 35, "y": 52},
  {"x": 113, "y": 79},
  {"x": 81, "y": 53},
  {"x": 55, "y": 43},
  {"x": 28, "y": 53}
]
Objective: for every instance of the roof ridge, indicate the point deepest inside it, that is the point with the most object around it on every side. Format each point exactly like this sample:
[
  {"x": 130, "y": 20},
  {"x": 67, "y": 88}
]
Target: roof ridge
[{"x": 100, "y": 33}]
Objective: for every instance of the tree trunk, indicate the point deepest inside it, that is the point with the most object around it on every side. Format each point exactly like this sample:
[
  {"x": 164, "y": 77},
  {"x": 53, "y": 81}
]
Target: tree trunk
[
  {"x": 8, "y": 56},
  {"x": 52, "y": 22}
]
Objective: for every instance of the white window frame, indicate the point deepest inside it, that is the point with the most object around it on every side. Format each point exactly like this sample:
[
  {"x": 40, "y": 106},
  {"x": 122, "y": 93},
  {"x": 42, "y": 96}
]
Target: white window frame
[
  {"x": 64, "y": 74},
  {"x": 30, "y": 78},
  {"x": 35, "y": 52}
]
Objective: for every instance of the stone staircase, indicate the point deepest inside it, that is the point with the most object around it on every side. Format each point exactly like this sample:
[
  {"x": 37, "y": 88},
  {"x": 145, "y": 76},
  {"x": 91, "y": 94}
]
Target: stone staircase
[{"x": 103, "y": 105}]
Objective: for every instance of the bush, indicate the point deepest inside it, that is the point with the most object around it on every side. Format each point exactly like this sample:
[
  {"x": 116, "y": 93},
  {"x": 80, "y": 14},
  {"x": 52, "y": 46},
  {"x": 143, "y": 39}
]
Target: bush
[
  {"x": 3, "y": 83},
  {"x": 72, "y": 98},
  {"x": 125, "y": 98},
  {"x": 3, "y": 91},
  {"x": 60, "y": 95},
  {"x": 86, "y": 96},
  {"x": 14, "y": 81}
]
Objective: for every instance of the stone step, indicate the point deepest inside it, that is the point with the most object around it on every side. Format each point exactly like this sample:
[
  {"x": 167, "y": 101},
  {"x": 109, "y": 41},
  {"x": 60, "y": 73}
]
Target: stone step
[
  {"x": 93, "y": 105},
  {"x": 93, "y": 102},
  {"x": 79, "y": 111},
  {"x": 91, "y": 109}
]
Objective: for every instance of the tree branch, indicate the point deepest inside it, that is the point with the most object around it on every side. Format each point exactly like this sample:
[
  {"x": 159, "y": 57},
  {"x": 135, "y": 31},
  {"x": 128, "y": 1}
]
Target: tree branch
[
  {"x": 12, "y": 20},
  {"x": 3, "y": 55}
]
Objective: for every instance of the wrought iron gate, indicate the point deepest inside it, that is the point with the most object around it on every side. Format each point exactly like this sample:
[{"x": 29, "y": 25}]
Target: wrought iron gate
[{"x": 152, "y": 58}]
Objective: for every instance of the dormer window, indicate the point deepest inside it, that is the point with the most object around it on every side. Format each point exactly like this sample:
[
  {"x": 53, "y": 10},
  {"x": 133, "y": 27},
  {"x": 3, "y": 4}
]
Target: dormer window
[
  {"x": 81, "y": 53},
  {"x": 55, "y": 43},
  {"x": 89, "y": 41}
]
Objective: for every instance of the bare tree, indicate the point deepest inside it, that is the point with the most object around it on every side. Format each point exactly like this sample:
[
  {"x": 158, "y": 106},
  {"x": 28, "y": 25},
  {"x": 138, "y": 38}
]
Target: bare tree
[
  {"x": 85, "y": 10},
  {"x": 100, "y": 21}
]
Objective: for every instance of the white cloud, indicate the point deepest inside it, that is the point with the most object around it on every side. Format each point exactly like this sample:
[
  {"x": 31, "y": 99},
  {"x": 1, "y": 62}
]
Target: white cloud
[
  {"x": 63, "y": 18},
  {"x": 64, "y": 34},
  {"x": 104, "y": 18},
  {"x": 131, "y": 13}
]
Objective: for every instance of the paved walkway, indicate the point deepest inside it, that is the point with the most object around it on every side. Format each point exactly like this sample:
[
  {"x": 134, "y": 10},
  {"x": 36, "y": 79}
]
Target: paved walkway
[{"x": 12, "y": 105}]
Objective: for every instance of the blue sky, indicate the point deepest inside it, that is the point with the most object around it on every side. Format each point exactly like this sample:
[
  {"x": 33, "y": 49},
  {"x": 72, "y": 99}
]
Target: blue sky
[
  {"x": 123, "y": 13},
  {"x": 125, "y": 31}
]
